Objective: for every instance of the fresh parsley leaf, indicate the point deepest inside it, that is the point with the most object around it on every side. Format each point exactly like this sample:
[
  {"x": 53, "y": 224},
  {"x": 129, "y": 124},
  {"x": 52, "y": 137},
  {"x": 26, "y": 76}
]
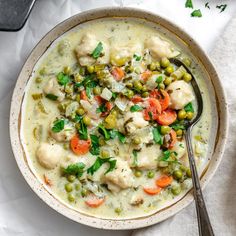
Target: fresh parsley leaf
[
  {"x": 99, "y": 162},
  {"x": 87, "y": 82},
  {"x": 189, "y": 4},
  {"x": 101, "y": 108},
  {"x": 51, "y": 96},
  {"x": 97, "y": 51},
  {"x": 135, "y": 108},
  {"x": 196, "y": 13},
  {"x": 83, "y": 131},
  {"x": 137, "y": 57},
  {"x": 95, "y": 149},
  {"x": 181, "y": 145},
  {"x": 221, "y": 7},
  {"x": 166, "y": 155},
  {"x": 157, "y": 136},
  {"x": 189, "y": 107},
  {"x": 114, "y": 95},
  {"x": 63, "y": 79},
  {"x": 159, "y": 79},
  {"x": 177, "y": 126},
  {"x": 121, "y": 137},
  {"x": 150, "y": 115},
  {"x": 75, "y": 169},
  {"x": 135, "y": 154},
  {"x": 102, "y": 130},
  {"x": 58, "y": 125},
  {"x": 88, "y": 92},
  {"x": 207, "y": 5}
]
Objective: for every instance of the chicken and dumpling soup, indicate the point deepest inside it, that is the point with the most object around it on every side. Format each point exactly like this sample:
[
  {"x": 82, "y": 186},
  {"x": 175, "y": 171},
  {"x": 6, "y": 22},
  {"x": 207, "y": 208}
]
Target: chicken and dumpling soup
[{"x": 105, "y": 115}]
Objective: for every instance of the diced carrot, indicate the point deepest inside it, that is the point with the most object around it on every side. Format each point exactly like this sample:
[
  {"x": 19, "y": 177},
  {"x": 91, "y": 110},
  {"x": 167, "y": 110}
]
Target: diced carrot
[
  {"x": 136, "y": 99},
  {"x": 99, "y": 99},
  {"x": 146, "y": 74},
  {"x": 47, "y": 181},
  {"x": 162, "y": 96},
  {"x": 118, "y": 73},
  {"x": 108, "y": 106},
  {"x": 78, "y": 146},
  {"x": 152, "y": 191},
  {"x": 167, "y": 117},
  {"x": 164, "y": 181},
  {"x": 173, "y": 138},
  {"x": 153, "y": 109},
  {"x": 94, "y": 201},
  {"x": 83, "y": 95}
]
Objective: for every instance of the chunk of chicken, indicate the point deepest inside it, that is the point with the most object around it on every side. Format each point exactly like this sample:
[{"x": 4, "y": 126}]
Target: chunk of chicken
[
  {"x": 179, "y": 148},
  {"x": 49, "y": 155},
  {"x": 159, "y": 48},
  {"x": 86, "y": 47},
  {"x": 120, "y": 54},
  {"x": 134, "y": 121},
  {"x": 181, "y": 94},
  {"x": 52, "y": 87},
  {"x": 120, "y": 178},
  {"x": 64, "y": 135},
  {"x": 136, "y": 200}
]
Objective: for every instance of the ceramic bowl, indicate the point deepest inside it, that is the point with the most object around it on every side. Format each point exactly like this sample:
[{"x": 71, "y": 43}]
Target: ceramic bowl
[{"x": 174, "y": 33}]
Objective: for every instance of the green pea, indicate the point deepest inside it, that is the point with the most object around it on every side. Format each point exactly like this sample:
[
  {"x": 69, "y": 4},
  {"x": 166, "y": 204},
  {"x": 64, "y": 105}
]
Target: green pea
[
  {"x": 78, "y": 78},
  {"x": 145, "y": 94},
  {"x": 189, "y": 173},
  {"x": 150, "y": 174},
  {"x": 71, "y": 178},
  {"x": 68, "y": 187},
  {"x": 67, "y": 69},
  {"x": 152, "y": 66},
  {"x": 82, "y": 70},
  {"x": 66, "y": 146},
  {"x": 138, "y": 173},
  {"x": 136, "y": 140},
  {"x": 158, "y": 65},
  {"x": 176, "y": 189},
  {"x": 77, "y": 187},
  {"x": 97, "y": 90},
  {"x": 84, "y": 192},
  {"x": 38, "y": 80},
  {"x": 182, "y": 114},
  {"x": 179, "y": 132},
  {"x": 187, "y": 77},
  {"x": 118, "y": 210},
  {"x": 165, "y": 62},
  {"x": 129, "y": 69},
  {"x": 178, "y": 174},
  {"x": 144, "y": 88},
  {"x": 42, "y": 71},
  {"x": 101, "y": 141},
  {"x": 80, "y": 111},
  {"x": 129, "y": 85},
  {"x": 169, "y": 70},
  {"x": 78, "y": 97},
  {"x": 161, "y": 86},
  {"x": 138, "y": 85},
  {"x": 90, "y": 69},
  {"x": 129, "y": 94},
  {"x": 105, "y": 153},
  {"x": 187, "y": 61},
  {"x": 167, "y": 81},
  {"x": 189, "y": 115},
  {"x": 183, "y": 168},
  {"x": 86, "y": 120},
  {"x": 69, "y": 89},
  {"x": 165, "y": 130},
  {"x": 71, "y": 197}
]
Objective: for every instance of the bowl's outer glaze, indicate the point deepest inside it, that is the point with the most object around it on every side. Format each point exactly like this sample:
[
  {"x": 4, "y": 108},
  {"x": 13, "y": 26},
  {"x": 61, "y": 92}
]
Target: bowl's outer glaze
[{"x": 18, "y": 95}]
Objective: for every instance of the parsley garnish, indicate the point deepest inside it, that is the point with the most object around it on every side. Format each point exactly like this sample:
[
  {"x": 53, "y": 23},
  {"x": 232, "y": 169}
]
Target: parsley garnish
[
  {"x": 101, "y": 108},
  {"x": 189, "y": 107},
  {"x": 97, "y": 51},
  {"x": 188, "y": 4},
  {"x": 135, "y": 108},
  {"x": 137, "y": 57},
  {"x": 157, "y": 136},
  {"x": 221, "y": 7},
  {"x": 135, "y": 154},
  {"x": 95, "y": 149},
  {"x": 63, "y": 79},
  {"x": 207, "y": 5},
  {"x": 159, "y": 79},
  {"x": 51, "y": 96},
  {"x": 102, "y": 130},
  {"x": 58, "y": 125},
  {"x": 196, "y": 13},
  {"x": 75, "y": 169}
]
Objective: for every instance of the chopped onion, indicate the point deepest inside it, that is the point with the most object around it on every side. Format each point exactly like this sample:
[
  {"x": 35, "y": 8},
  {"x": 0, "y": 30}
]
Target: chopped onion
[
  {"x": 121, "y": 103},
  {"x": 71, "y": 109},
  {"x": 117, "y": 87},
  {"x": 90, "y": 109},
  {"x": 106, "y": 94}
]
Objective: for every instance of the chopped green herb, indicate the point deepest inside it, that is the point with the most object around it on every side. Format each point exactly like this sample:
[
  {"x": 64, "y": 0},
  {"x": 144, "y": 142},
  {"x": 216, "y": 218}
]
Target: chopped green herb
[
  {"x": 95, "y": 149},
  {"x": 135, "y": 154},
  {"x": 189, "y": 107},
  {"x": 102, "y": 130},
  {"x": 167, "y": 155},
  {"x": 137, "y": 57},
  {"x": 181, "y": 145},
  {"x": 99, "y": 162},
  {"x": 157, "y": 136},
  {"x": 221, "y": 7},
  {"x": 177, "y": 126},
  {"x": 51, "y": 96},
  {"x": 159, "y": 79},
  {"x": 135, "y": 108},
  {"x": 188, "y": 4},
  {"x": 150, "y": 115},
  {"x": 58, "y": 125},
  {"x": 97, "y": 51},
  {"x": 121, "y": 137},
  {"x": 88, "y": 92},
  {"x": 83, "y": 131},
  {"x": 75, "y": 169},
  {"x": 63, "y": 79},
  {"x": 114, "y": 95},
  {"x": 207, "y": 5},
  {"x": 101, "y": 108},
  {"x": 196, "y": 13}
]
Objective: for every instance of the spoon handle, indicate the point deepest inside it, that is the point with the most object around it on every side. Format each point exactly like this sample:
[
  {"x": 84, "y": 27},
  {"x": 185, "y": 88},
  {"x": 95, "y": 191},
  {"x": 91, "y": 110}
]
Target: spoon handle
[{"x": 204, "y": 224}]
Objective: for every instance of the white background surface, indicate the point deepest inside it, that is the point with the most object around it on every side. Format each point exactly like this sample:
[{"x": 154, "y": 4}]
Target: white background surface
[{"x": 23, "y": 213}]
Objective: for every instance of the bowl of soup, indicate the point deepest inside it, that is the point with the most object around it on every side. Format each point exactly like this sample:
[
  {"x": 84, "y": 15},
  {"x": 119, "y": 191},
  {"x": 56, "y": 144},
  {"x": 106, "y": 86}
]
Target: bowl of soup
[{"x": 99, "y": 113}]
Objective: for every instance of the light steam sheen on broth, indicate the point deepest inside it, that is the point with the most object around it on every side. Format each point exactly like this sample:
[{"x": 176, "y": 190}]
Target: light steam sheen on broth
[{"x": 105, "y": 117}]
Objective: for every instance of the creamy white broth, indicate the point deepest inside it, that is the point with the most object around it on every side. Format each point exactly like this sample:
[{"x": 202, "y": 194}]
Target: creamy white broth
[{"x": 114, "y": 32}]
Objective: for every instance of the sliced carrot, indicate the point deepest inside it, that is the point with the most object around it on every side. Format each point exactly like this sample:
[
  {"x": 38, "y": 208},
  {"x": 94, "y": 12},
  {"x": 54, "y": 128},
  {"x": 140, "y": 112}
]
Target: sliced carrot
[
  {"x": 108, "y": 106},
  {"x": 152, "y": 191},
  {"x": 173, "y": 138},
  {"x": 94, "y": 201},
  {"x": 146, "y": 74},
  {"x": 99, "y": 99},
  {"x": 162, "y": 96},
  {"x": 78, "y": 146},
  {"x": 118, "y": 73},
  {"x": 136, "y": 99},
  {"x": 167, "y": 117},
  {"x": 153, "y": 109},
  {"x": 83, "y": 95},
  {"x": 164, "y": 181},
  {"x": 47, "y": 181}
]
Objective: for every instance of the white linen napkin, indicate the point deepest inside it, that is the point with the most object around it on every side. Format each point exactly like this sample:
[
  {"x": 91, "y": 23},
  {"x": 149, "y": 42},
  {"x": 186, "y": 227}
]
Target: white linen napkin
[{"x": 21, "y": 212}]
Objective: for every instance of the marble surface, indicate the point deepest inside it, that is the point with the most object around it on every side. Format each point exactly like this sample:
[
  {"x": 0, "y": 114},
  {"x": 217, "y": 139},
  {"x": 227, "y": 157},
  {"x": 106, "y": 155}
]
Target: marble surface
[{"x": 21, "y": 211}]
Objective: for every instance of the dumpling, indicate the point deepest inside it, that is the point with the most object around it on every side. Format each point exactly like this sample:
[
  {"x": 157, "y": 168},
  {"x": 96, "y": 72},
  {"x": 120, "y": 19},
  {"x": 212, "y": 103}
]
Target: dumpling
[
  {"x": 181, "y": 94},
  {"x": 52, "y": 87},
  {"x": 159, "y": 48},
  {"x": 49, "y": 155},
  {"x": 86, "y": 47}
]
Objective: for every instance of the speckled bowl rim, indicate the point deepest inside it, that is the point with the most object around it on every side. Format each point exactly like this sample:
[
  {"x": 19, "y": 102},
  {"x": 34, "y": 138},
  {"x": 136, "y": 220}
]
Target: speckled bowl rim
[{"x": 18, "y": 95}]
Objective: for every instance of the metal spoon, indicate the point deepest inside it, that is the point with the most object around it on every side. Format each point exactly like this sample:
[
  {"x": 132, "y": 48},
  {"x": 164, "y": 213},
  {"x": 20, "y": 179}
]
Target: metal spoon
[{"x": 204, "y": 224}]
